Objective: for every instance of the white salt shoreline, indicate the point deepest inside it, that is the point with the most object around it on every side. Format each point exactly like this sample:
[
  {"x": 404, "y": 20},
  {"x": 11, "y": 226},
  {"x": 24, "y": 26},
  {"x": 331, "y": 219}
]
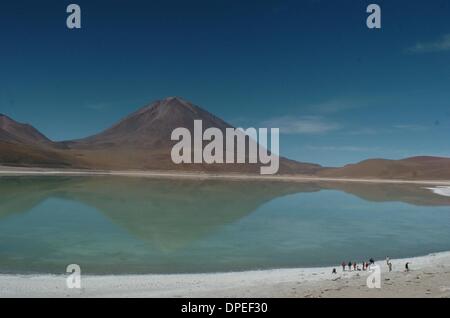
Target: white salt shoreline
[
  {"x": 441, "y": 190},
  {"x": 429, "y": 277},
  {"x": 11, "y": 171}
]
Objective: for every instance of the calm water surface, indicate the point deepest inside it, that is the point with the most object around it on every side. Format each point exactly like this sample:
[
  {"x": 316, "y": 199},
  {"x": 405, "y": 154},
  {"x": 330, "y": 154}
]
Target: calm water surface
[{"x": 112, "y": 225}]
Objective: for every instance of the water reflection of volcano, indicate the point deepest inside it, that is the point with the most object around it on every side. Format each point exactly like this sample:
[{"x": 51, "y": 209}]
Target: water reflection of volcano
[{"x": 169, "y": 214}]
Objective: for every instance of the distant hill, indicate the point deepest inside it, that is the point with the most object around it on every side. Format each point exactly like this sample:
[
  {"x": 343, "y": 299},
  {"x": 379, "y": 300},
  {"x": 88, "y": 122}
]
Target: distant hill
[
  {"x": 15, "y": 132},
  {"x": 420, "y": 168},
  {"x": 23, "y": 145}
]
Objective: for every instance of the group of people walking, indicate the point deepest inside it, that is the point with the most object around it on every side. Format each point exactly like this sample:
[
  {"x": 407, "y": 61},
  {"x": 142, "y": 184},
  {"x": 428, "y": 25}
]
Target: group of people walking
[{"x": 353, "y": 266}]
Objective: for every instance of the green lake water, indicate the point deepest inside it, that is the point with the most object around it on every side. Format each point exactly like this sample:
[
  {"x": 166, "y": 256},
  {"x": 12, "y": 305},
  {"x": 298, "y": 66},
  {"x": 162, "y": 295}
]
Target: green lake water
[{"x": 113, "y": 225}]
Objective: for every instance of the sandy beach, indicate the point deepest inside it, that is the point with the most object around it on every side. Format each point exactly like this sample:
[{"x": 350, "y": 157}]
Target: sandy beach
[{"x": 429, "y": 276}]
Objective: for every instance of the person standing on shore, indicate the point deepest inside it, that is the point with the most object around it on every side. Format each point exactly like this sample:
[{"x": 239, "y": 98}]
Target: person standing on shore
[
  {"x": 343, "y": 266},
  {"x": 350, "y": 266},
  {"x": 407, "y": 267},
  {"x": 390, "y": 266}
]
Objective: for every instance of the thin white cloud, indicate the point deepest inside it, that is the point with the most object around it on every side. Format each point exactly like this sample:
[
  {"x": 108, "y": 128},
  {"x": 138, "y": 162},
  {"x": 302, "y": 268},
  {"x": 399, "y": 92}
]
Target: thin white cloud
[
  {"x": 410, "y": 127},
  {"x": 335, "y": 106},
  {"x": 102, "y": 105},
  {"x": 440, "y": 45},
  {"x": 386, "y": 130},
  {"x": 366, "y": 131},
  {"x": 301, "y": 125},
  {"x": 344, "y": 148},
  {"x": 97, "y": 106}
]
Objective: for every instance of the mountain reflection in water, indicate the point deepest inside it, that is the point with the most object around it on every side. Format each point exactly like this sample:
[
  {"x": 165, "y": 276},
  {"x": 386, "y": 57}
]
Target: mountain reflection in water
[{"x": 140, "y": 225}]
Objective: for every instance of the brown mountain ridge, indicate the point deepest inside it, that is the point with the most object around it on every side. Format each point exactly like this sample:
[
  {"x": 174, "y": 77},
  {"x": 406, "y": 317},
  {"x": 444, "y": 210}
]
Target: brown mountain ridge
[{"x": 141, "y": 141}]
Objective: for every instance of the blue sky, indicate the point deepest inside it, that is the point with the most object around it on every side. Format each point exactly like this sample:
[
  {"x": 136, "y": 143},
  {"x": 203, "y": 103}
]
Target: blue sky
[{"x": 339, "y": 92}]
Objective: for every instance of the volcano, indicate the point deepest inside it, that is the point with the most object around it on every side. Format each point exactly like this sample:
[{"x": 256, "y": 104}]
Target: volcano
[
  {"x": 142, "y": 140},
  {"x": 150, "y": 127}
]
